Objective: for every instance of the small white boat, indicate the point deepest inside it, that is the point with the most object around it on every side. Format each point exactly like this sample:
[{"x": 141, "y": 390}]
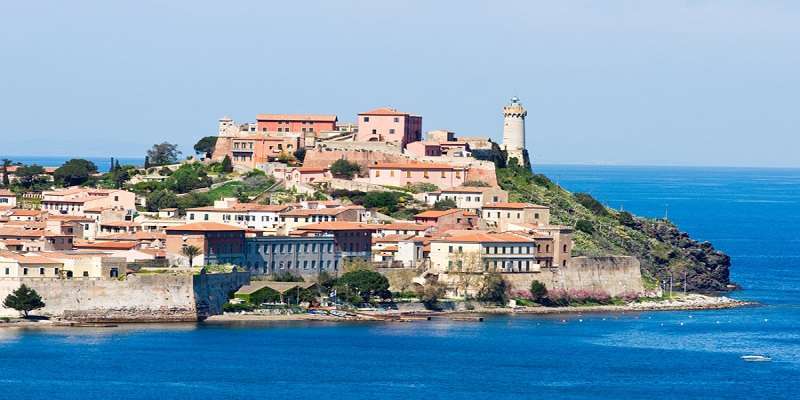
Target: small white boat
[{"x": 756, "y": 358}]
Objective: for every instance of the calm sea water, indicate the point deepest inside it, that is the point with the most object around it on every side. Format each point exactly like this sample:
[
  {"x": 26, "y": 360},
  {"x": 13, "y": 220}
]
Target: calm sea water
[
  {"x": 103, "y": 163},
  {"x": 752, "y": 214}
]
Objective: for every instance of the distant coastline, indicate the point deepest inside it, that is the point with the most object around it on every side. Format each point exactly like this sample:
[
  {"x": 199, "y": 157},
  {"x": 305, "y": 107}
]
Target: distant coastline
[{"x": 103, "y": 163}]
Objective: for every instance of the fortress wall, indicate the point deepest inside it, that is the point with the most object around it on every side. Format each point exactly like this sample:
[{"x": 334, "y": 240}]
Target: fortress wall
[
  {"x": 613, "y": 274},
  {"x": 137, "y": 298}
]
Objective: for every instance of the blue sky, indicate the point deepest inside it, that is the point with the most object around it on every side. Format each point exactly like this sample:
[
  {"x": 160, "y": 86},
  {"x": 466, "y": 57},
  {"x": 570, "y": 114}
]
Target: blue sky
[{"x": 677, "y": 83}]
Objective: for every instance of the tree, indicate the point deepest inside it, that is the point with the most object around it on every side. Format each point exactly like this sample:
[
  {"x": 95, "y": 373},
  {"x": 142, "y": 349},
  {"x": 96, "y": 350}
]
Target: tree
[
  {"x": 364, "y": 283},
  {"x": 163, "y": 154},
  {"x": 585, "y": 226},
  {"x": 430, "y": 293},
  {"x": 445, "y": 204},
  {"x": 191, "y": 252},
  {"x": 468, "y": 270},
  {"x": 627, "y": 219},
  {"x": 227, "y": 165},
  {"x": 6, "y": 163},
  {"x": 30, "y": 175},
  {"x": 591, "y": 203},
  {"x": 344, "y": 169},
  {"x": 300, "y": 154},
  {"x": 205, "y": 145},
  {"x": 75, "y": 172},
  {"x": 386, "y": 201},
  {"x": 24, "y": 300},
  {"x": 187, "y": 178},
  {"x": 161, "y": 199},
  {"x": 538, "y": 291},
  {"x": 495, "y": 289},
  {"x": 146, "y": 162}
]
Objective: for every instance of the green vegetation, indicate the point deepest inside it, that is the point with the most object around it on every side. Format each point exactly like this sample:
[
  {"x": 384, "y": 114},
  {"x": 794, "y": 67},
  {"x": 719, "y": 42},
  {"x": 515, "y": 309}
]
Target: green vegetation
[
  {"x": 74, "y": 172},
  {"x": 205, "y": 146},
  {"x": 361, "y": 285},
  {"x": 227, "y": 164},
  {"x": 191, "y": 252},
  {"x": 538, "y": 291},
  {"x": 423, "y": 187},
  {"x": 495, "y": 289},
  {"x": 599, "y": 230},
  {"x": 444, "y": 204},
  {"x": 431, "y": 293},
  {"x": 400, "y": 205},
  {"x": 344, "y": 169},
  {"x": 162, "y": 154},
  {"x": 475, "y": 184},
  {"x": 24, "y": 300}
]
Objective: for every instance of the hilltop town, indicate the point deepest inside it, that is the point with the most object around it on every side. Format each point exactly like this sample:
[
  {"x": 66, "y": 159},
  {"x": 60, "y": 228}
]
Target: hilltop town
[{"x": 305, "y": 209}]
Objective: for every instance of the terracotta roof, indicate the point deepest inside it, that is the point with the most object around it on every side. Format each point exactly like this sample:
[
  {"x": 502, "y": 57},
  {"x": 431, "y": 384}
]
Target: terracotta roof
[
  {"x": 337, "y": 226},
  {"x": 468, "y": 189},
  {"x": 297, "y": 117},
  {"x": 141, "y": 235},
  {"x": 69, "y": 218},
  {"x": 27, "y": 259},
  {"x": 436, "y": 213},
  {"x": 513, "y": 206},
  {"x": 384, "y": 111},
  {"x": 105, "y": 245},
  {"x": 399, "y": 226},
  {"x": 15, "y": 232},
  {"x": 303, "y": 212},
  {"x": 484, "y": 237},
  {"x": 7, "y": 193},
  {"x": 312, "y": 169},
  {"x": 242, "y": 207},
  {"x": 18, "y": 212},
  {"x": 412, "y": 165},
  {"x": 123, "y": 224},
  {"x": 204, "y": 227}
]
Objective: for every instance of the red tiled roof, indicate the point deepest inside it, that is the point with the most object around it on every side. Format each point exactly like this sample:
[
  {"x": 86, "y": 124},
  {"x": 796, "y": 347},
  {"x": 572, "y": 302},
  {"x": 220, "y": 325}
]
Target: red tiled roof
[
  {"x": 297, "y": 117},
  {"x": 105, "y": 245},
  {"x": 242, "y": 207},
  {"x": 384, "y": 111},
  {"x": 436, "y": 213},
  {"x": 411, "y": 165},
  {"x": 484, "y": 237},
  {"x": 398, "y": 226},
  {"x": 513, "y": 206},
  {"x": 204, "y": 227},
  {"x": 7, "y": 193},
  {"x": 18, "y": 212},
  {"x": 337, "y": 226}
]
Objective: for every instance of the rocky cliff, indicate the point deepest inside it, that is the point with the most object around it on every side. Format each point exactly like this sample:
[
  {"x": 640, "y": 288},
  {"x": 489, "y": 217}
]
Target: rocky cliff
[{"x": 663, "y": 250}]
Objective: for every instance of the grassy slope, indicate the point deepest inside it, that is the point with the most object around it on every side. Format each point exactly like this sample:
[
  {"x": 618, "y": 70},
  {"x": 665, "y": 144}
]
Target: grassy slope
[{"x": 659, "y": 245}]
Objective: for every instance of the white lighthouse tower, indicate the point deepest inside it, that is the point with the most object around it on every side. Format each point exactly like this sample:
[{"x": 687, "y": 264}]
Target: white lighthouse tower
[{"x": 514, "y": 130}]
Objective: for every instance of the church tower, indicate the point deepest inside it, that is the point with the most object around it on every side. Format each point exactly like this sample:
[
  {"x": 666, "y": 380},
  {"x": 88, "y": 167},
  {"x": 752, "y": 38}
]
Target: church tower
[{"x": 514, "y": 130}]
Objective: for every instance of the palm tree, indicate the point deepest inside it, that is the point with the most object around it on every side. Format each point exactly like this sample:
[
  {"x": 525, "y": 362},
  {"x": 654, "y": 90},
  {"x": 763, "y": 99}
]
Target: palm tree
[{"x": 191, "y": 252}]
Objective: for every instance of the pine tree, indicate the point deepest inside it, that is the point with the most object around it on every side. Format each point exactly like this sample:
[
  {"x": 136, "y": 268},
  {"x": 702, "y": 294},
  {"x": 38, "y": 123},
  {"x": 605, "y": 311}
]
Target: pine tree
[
  {"x": 227, "y": 165},
  {"x": 111, "y": 168},
  {"x": 146, "y": 162},
  {"x": 24, "y": 300}
]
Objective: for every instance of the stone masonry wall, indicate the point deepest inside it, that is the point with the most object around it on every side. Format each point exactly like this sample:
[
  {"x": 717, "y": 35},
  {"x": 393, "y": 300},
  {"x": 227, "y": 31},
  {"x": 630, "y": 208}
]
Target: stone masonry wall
[{"x": 137, "y": 298}]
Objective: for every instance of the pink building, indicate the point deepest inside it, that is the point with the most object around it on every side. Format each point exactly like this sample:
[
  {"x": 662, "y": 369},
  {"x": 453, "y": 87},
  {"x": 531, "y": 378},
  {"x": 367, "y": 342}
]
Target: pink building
[
  {"x": 389, "y": 125},
  {"x": 403, "y": 174},
  {"x": 300, "y": 123},
  {"x": 309, "y": 174},
  {"x": 423, "y": 149}
]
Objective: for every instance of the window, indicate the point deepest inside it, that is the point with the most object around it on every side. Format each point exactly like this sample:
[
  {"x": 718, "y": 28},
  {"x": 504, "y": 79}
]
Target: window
[
  {"x": 565, "y": 248},
  {"x": 85, "y": 274},
  {"x": 116, "y": 198},
  {"x": 396, "y": 119},
  {"x": 24, "y": 271},
  {"x": 205, "y": 217},
  {"x": 366, "y": 119},
  {"x": 377, "y": 173},
  {"x": 7, "y": 271},
  {"x": 374, "y": 131},
  {"x": 391, "y": 131},
  {"x": 536, "y": 215},
  {"x": 408, "y": 174},
  {"x": 41, "y": 271},
  {"x": 450, "y": 249}
]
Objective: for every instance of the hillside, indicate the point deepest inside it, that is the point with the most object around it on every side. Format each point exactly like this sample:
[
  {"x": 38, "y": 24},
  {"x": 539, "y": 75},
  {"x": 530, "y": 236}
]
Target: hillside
[{"x": 659, "y": 245}]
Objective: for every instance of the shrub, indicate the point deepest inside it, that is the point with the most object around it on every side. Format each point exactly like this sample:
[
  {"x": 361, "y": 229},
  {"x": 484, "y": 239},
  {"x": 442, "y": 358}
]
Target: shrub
[
  {"x": 475, "y": 184},
  {"x": 344, "y": 169},
  {"x": 521, "y": 294},
  {"x": 538, "y": 291},
  {"x": 430, "y": 294},
  {"x": 629, "y": 296},
  {"x": 445, "y": 204},
  {"x": 585, "y": 226},
  {"x": 495, "y": 289},
  {"x": 627, "y": 219},
  {"x": 591, "y": 203},
  {"x": 235, "y": 308},
  {"x": 423, "y": 187}
]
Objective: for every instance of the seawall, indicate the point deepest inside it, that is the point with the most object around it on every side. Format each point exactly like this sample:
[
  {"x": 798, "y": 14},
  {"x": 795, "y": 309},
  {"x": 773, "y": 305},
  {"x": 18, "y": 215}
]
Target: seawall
[{"x": 137, "y": 298}]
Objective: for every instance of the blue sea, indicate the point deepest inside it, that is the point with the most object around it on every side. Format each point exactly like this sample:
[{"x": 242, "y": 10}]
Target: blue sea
[
  {"x": 103, "y": 163},
  {"x": 753, "y": 214}
]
